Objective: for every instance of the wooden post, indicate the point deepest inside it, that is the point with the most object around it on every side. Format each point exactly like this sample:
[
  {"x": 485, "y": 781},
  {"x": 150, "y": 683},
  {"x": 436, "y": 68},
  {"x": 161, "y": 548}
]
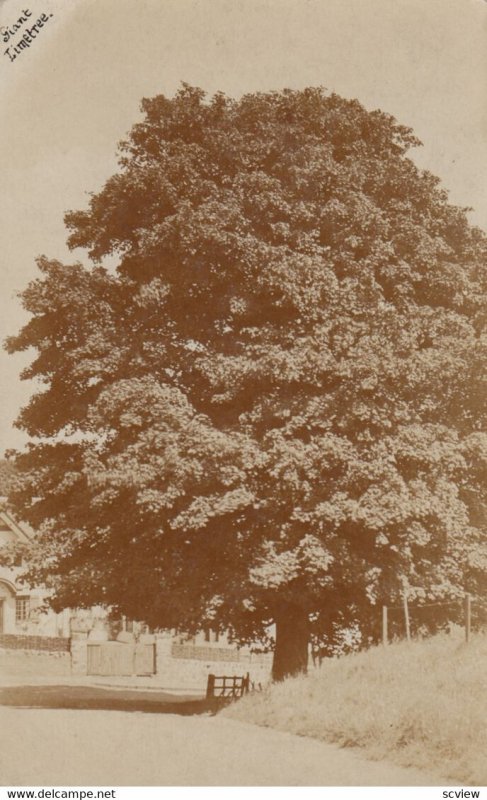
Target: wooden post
[
  {"x": 210, "y": 687},
  {"x": 385, "y": 635},
  {"x": 468, "y": 616},
  {"x": 406, "y": 618}
]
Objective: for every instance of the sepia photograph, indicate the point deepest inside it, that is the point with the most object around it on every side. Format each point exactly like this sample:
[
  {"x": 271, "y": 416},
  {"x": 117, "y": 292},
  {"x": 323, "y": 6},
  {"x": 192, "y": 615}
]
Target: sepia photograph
[{"x": 243, "y": 447}]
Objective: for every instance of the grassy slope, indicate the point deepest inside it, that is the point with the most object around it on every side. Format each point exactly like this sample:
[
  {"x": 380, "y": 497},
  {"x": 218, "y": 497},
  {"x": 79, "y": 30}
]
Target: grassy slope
[{"x": 422, "y": 705}]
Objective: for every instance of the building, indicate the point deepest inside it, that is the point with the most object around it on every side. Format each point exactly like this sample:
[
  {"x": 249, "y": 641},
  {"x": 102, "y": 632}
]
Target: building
[
  {"x": 22, "y": 608},
  {"x": 35, "y": 640}
]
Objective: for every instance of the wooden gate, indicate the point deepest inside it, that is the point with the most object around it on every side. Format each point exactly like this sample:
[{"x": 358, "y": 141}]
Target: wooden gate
[
  {"x": 227, "y": 686},
  {"x": 121, "y": 658}
]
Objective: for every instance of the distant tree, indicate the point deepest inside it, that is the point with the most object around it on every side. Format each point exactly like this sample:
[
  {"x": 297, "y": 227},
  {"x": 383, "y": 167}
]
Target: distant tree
[{"x": 271, "y": 410}]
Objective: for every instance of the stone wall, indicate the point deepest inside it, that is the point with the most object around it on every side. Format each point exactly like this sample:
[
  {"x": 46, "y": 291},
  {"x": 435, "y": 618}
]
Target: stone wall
[
  {"x": 34, "y": 656},
  {"x": 53, "y": 644},
  {"x": 187, "y": 667},
  {"x": 178, "y": 666},
  {"x": 79, "y": 653},
  {"x": 24, "y": 664}
]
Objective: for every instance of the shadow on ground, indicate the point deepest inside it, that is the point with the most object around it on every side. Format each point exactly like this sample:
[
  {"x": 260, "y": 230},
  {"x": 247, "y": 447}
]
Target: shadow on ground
[{"x": 93, "y": 698}]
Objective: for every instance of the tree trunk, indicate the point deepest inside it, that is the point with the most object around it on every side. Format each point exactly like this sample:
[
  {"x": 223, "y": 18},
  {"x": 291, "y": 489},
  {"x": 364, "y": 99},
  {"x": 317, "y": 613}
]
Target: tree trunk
[{"x": 292, "y": 639}]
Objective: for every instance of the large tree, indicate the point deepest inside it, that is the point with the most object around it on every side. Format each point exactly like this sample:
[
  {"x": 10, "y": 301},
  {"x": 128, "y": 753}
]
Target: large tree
[{"x": 270, "y": 411}]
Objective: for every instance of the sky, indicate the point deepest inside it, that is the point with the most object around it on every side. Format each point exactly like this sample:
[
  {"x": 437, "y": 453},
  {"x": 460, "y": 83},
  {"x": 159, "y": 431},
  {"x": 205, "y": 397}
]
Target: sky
[{"x": 68, "y": 99}]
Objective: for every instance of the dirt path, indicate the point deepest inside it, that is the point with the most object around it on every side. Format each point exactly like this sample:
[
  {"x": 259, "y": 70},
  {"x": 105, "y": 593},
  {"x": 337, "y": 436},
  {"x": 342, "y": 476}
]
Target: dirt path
[{"x": 53, "y": 747}]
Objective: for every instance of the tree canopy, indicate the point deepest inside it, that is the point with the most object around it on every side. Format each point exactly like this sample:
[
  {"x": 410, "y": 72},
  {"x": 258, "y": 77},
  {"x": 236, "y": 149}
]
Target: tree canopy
[{"x": 271, "y": 410}]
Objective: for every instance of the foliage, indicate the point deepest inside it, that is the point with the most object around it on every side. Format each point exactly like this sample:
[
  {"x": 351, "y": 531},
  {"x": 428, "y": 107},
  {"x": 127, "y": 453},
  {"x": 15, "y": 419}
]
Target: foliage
[
  {"x": 275, "y": 399},
  {"x": 7, "y": 476}
]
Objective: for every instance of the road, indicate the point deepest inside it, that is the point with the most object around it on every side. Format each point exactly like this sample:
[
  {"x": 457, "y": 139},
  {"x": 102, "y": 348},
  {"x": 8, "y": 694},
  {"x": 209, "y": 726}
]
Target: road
[{"x": 72, "y": 746}]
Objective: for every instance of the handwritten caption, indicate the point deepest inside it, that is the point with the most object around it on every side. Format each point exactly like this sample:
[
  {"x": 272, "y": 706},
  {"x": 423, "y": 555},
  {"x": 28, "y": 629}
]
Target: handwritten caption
[{"x": 19, "y": 36}]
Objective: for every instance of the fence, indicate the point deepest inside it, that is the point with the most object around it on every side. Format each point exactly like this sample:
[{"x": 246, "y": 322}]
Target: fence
[
  {"x": 398, "y": 619},
  {"x": 227, "y": 686}
]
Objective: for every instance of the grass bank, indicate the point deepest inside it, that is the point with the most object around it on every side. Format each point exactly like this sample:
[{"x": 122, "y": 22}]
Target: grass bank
[{"x": 422, "y": 705}]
